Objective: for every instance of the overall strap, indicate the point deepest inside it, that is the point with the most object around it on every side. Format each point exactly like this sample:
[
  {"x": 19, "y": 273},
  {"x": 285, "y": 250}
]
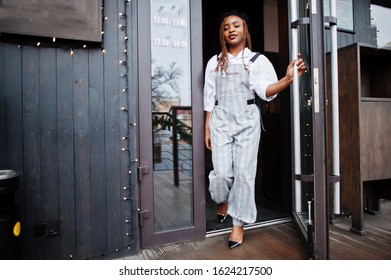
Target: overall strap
[
  {"x": 255, "y": 57},
  {"x": 251, "y": 60},
  {"x": 259, "y": 105}
]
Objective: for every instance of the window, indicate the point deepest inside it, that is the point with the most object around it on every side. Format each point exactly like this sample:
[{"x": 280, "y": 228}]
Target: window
[
  {"x": 381, "y": 19},
  {"x": 344, "y": 13}
]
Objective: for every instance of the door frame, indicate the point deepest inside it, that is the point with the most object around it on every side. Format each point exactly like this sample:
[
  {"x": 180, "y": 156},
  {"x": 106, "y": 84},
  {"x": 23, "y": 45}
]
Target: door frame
[
  {"x": 317, "y": 235},
  {"x": 142, "y": 71},
  {"x": 321, "y": 185}
]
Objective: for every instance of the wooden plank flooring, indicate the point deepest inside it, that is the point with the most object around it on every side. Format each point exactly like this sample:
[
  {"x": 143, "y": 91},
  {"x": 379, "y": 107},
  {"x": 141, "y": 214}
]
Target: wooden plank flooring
[
  {"x": 375, "y": 244},
  {"x": 282, "y": 242},
  {"x": 172, "y": 203},
  {"x": 259, "y": 244},
  {"x": 272, "y": 242}
]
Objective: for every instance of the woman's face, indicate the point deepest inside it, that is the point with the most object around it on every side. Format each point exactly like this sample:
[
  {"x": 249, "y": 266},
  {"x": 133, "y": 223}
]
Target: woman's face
[{"x": 233, "y": 31}]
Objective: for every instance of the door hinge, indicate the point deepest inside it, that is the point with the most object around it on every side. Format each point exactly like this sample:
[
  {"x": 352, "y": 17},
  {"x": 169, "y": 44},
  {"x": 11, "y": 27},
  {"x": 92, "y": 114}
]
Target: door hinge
[
  {"x": 142, "y": 170},
  {"x": 142, "y": 215}
]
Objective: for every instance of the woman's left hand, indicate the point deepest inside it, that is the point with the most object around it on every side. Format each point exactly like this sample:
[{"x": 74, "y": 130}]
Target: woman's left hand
[
  {"x": 283, "y": 83},
  {"x": 301, "y": 67}
]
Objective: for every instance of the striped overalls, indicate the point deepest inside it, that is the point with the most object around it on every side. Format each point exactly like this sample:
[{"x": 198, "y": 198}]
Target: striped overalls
[{"x": 235, "y": 130}]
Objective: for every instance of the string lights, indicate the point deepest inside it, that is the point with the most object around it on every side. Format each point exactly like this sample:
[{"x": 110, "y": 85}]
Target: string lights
[
  {"x": 127, "y": 139},
  {"x": 123, "y": 64}
]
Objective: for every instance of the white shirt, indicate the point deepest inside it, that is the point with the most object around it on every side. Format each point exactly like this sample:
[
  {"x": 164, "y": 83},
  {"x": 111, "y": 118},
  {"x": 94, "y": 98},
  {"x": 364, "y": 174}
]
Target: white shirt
[{"x": 262, "y": 74}]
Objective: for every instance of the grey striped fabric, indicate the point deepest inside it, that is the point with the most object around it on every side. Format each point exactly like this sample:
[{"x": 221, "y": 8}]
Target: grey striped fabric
[{"x": 235, "y": 135}]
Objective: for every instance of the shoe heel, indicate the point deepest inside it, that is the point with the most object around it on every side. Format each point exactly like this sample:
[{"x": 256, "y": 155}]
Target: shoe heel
[
  {"x": 221, "y": 218},
  {"x": 233, "y": 244}
]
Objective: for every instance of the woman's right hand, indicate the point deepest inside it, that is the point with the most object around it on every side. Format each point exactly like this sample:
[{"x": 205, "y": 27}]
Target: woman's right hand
[
  {"x": 207, "y": 139},
  {"x": 207, "y": 131}
]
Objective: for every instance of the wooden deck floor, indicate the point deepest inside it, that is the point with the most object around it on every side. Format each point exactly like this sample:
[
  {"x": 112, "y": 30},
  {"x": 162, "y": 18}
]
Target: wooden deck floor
[
  {"x": 375, "y": 244},
  {"x": 282, "y": 242}
]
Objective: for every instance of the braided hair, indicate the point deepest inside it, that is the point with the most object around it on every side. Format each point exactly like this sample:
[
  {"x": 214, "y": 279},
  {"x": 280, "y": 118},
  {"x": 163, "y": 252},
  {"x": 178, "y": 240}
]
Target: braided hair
[{"x": 223, "y": 62}]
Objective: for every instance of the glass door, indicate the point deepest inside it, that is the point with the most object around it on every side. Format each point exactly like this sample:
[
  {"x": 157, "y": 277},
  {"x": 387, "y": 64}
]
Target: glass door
[
  {"x": 302, "y": 121},
  {"x": 169, "y": 169},
  {"x": 309, "y": 127}
]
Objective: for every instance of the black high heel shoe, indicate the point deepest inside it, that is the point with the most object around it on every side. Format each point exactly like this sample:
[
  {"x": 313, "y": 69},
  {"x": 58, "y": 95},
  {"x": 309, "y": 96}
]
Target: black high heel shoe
[
  {"x": 233, "y": 244},
  {"x": 221, "y": 218},
  {"x": 222, "y": 212}
]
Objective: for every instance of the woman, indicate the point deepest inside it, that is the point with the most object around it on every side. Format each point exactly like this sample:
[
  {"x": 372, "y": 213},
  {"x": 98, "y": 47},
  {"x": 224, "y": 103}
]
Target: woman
[{"x": 232, "y": 124}]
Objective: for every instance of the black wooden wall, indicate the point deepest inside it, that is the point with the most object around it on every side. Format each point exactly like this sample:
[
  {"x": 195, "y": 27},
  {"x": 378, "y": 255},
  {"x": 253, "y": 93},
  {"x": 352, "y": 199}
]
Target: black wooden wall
[{"x": 61, "y": 124}]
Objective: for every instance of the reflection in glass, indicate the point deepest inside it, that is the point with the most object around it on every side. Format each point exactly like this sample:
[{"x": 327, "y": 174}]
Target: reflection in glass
[
  {"x": 344, "y": 13},
  {"x": 171, "y": 114}
]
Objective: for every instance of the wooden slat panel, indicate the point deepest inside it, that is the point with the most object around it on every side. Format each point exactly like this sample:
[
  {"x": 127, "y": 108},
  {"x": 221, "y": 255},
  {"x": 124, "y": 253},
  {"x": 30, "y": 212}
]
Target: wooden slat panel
[
  {"x": 82, "y": 153},
  {"x": 11, "y": 111},
  {"x": 2, "y": 115},
  {"x": 49, "y": 145},
  {"x": 132, "y": 99},
  {"x": 375, "y": 140},
  {"x": 127, "y": 213},
  {"x": 32, "y": 246},
  {"x": 66, "y": 158},
  {"x": 12, "y": 107},
  {"x": 97, "y": 160},
  {"x": 112, "y": 127},
  {"x": 349, "y": 111},
  {"x": 11, "y": 134}
]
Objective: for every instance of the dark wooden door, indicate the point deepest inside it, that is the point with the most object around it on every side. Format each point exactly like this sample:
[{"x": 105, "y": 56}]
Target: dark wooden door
[{"x": 170, "y": 169}]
